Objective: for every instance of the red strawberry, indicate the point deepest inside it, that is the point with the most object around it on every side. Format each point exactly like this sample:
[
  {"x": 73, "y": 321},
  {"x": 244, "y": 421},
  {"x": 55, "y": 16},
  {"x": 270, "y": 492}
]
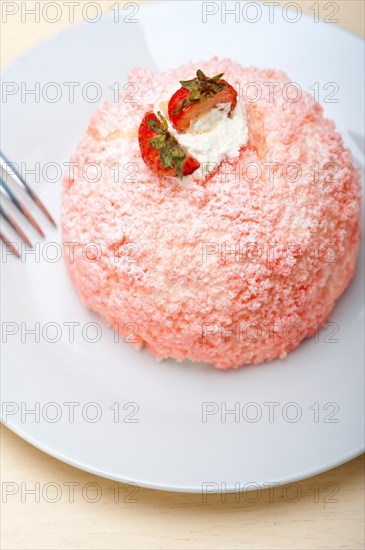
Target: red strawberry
[
  {"x": 161, "y": 151},
  {"x": 198, "y": 96}
]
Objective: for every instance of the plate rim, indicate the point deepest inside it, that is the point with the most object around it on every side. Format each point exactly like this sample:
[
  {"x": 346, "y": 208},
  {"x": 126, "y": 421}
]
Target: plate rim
[{"x": 263, "y": 485}]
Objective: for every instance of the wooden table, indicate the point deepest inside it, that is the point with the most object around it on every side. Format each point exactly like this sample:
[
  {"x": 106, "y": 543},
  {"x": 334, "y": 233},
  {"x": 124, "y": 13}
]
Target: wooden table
[{"x": 159, "y": 519}]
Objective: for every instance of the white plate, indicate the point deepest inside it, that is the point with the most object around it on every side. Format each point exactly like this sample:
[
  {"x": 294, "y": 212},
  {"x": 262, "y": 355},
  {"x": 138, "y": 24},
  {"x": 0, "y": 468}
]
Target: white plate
[{"x": 170, "y": 447}]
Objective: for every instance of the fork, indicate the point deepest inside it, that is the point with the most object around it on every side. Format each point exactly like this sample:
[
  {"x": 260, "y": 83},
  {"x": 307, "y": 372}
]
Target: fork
[{"x": 8, "y": 169}]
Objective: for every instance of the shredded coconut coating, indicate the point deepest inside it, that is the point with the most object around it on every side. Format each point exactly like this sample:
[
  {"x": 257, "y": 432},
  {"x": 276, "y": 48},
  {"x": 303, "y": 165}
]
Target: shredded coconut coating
[{"x": 229, "y": 310}]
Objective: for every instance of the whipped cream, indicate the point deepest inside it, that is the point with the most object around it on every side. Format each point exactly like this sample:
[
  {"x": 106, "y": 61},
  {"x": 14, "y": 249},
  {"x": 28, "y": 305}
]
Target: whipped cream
[{"x": 212, "y": 137}]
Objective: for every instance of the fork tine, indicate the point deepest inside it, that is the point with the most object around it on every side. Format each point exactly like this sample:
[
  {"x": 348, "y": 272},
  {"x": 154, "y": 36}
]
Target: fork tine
[
  {"x": 18, "y": 178},
  {"x": 20, "y": 207},
  {"x": 9, "y": 244},
  {"x": 15, "y": 226}
]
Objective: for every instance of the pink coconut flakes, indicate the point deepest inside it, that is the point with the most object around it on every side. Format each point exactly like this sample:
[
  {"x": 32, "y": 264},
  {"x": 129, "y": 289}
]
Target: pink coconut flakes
[{"x": 229, "y": 310}]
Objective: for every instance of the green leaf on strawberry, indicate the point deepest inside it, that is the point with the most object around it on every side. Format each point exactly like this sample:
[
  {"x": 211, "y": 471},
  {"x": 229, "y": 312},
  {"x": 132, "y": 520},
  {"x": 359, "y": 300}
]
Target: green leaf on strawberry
[
  {"x": 201, "y": 89},
  {"x": 172, "y": 155}
]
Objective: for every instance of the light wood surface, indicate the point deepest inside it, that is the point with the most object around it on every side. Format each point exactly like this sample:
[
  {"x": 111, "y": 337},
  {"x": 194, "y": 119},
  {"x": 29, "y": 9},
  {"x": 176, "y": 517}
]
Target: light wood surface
[{"x": 166, "y": 520}]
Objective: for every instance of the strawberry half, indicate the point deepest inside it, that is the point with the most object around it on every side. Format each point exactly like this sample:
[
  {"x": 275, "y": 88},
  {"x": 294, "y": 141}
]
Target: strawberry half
[
  {"x": 197, "y": 97},
  {"x": 160, "y": 151}
]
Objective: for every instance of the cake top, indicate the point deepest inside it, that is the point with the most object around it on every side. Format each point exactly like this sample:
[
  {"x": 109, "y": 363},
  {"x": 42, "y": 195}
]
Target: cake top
[{"x": 193, "y": 128}]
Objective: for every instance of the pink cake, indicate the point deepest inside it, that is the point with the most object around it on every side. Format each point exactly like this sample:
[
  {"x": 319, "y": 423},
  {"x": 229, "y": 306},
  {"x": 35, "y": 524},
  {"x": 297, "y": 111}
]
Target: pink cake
[{"x": 161, "y": 269}]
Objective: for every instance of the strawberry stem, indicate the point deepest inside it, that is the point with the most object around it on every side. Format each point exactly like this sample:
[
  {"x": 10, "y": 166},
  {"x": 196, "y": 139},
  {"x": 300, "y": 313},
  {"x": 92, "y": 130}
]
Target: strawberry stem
[
  {"x": 172, "y": 155},
  {"x": 201, "y": 88}
]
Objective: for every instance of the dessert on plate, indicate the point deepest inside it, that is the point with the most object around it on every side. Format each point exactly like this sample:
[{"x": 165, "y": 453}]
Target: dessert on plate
[{"x": 218, "y": 217}]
